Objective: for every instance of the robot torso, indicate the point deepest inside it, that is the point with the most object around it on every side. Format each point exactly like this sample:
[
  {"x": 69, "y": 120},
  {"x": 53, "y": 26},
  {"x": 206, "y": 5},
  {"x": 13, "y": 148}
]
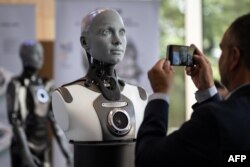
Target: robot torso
[
  {"x": 32, "y": 109},
  {"x": 86, "y": 116}
]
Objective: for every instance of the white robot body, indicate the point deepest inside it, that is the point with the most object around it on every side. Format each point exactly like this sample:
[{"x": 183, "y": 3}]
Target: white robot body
[
  {"x": 139, "y": 105},
  {"x": 79, "y": 118}
]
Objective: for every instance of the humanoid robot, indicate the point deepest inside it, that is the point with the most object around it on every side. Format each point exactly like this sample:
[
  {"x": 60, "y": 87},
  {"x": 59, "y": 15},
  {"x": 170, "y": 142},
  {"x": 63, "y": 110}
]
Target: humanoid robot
[
  {"x": 5, "y": 128},
  {"x": 99, "y": 113},
  {"x": 29, "y": 112}
]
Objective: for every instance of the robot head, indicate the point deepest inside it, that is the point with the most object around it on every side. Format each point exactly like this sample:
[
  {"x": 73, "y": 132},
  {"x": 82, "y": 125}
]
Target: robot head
[
  {"x": 31, "y": 53},
  {"x": 103, "y": 35}
]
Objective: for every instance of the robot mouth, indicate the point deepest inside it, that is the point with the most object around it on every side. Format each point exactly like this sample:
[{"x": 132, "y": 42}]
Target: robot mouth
[{"x": 116, "y": 51}]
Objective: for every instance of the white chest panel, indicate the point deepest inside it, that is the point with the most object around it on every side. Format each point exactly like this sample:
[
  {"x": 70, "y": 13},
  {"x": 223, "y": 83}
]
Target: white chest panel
[
  {"x": 139, "y": 105},
  {"x": 22, "y": 97},
  {"x": 40, "y": 98},
  {"x": 79, "y": 120}
]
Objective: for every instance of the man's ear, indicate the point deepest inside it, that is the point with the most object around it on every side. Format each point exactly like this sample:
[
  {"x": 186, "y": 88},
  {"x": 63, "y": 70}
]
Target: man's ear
[{"x": 235, "y": 58}]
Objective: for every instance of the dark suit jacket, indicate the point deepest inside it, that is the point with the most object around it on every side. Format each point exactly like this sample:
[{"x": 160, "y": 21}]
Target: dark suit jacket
[{"x": 215, "y": 128}]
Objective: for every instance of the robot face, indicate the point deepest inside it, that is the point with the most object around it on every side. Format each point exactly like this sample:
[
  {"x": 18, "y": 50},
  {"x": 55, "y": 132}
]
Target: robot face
[
  {"x": 32, "y": 54},
  {"x": 106, "y": 38}
]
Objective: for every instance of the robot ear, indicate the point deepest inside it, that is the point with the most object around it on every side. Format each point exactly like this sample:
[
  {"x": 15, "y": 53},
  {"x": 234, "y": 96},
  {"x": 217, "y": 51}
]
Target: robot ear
[{"x": 84, "y": 43}]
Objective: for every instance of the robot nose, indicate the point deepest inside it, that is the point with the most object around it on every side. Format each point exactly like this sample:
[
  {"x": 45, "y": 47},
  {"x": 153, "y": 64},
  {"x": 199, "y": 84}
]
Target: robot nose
[
  {"x": 118, "y": 43},
  {"x": 116, "y": 40}
]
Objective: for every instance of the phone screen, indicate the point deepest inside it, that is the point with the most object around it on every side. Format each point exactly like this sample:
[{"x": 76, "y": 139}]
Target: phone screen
[{"x": 180, "y": 55}]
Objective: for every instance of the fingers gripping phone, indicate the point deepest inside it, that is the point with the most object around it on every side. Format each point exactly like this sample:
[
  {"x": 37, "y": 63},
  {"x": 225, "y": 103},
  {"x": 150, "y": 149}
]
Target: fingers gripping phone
[{"x": 180, "y": 55}]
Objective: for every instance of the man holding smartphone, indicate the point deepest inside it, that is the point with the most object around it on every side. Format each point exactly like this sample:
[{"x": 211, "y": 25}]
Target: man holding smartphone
[{"x": 217, "y": 130}]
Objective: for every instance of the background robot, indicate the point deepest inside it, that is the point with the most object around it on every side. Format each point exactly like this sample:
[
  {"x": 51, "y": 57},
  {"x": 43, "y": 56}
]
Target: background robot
[
  {"x": 5, "y": 128},
  {"x": 29, "y": 112},
  {"x": 99, "y": 113}
]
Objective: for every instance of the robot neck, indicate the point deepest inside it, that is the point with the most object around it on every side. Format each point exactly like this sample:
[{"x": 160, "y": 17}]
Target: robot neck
[
  {"x": 29, "y": 73},
  {"x": 104, "y": 76},
  {"x": 103, "y": 69}
]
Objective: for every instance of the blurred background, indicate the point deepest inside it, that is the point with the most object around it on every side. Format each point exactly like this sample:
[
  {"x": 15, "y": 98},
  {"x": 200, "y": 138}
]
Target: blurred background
[{"x": 151, "y": 26}]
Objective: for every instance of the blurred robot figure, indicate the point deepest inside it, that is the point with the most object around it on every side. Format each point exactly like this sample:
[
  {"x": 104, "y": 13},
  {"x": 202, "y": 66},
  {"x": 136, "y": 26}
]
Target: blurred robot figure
[
  {"x": 5, "y": 77},
  {"x": 99, "y": 113},
  {"x": 5, "y": 137},
  {"x": 5, "y": 128},
  {"x": 29, "y": 112}
]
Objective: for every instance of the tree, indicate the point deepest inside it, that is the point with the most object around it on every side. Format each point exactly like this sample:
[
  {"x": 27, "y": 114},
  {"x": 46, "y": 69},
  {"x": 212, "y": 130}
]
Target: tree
[{"x": 217, "y": 16}]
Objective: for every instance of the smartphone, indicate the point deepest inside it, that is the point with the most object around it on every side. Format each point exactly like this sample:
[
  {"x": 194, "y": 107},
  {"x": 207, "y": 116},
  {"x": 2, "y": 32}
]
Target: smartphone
[{"x": 180, "y": 55}]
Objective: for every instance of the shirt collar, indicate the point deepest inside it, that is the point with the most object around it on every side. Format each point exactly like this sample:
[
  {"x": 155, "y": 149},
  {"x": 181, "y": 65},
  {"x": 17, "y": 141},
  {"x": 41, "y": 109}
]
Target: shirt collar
[{"x": 235, "y": 90}]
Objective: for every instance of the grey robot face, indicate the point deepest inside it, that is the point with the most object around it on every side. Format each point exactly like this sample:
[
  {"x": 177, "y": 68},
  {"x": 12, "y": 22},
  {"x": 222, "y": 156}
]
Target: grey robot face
[
  {"x": 31, "y": 53},
  {"x": 106, "y": 38}
]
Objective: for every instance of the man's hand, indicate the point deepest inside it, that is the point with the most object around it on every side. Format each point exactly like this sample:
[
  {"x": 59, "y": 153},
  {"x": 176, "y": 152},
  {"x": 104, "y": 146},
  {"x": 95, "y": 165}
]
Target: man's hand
[
  {"x": 201, "y": 73},
  {"x": 161, "y": 76}
]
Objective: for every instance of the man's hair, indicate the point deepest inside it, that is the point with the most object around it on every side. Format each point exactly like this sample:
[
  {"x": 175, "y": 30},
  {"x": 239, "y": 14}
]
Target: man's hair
[{"x": 240, "y": 32}]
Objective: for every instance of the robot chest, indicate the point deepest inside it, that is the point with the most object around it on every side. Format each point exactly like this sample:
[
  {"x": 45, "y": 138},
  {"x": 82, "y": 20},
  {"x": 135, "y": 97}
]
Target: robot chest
[
  {"x": 117, "y": 118},
  {"x": 36, "y": 102},
  {"x": 89, "y": 116}
]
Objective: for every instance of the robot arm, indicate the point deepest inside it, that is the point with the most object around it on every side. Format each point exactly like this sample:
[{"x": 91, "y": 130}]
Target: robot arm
[
  {"x": 29, "y": 159},
  {"x": 15, "y": 121},
  {"x": 12, "y": 103},
  {"x": 59, "y": 111},
  {"x": 58, "y": 133}
]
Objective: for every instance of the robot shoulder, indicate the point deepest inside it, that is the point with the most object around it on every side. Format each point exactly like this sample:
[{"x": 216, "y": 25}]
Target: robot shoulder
[
  {"x": 14, "y": 85},
  {"x": 59, "y": 108},
  {"x": 64, "y": 92},
  {"x": 49, "y": 84},
  {"x": 16, "y": 80},
  {"x": 142, "y": 92},
  {"x": 74, "y": 82}
]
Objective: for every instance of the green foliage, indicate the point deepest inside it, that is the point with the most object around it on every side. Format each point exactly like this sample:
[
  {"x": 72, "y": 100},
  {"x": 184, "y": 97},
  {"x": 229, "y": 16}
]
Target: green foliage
[
  {"x": 171, "y": 23},
  {"x": 214, "y": 63},
  {"x": 172, "y": 32},
  {"x": 217, "y": 17}
]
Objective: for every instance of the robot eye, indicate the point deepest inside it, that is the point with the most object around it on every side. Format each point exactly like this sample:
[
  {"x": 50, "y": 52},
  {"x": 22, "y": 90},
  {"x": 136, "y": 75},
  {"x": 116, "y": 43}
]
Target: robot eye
[
  {"x": 122, "y": 32},
  {"x": 105, "y": 32}
]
